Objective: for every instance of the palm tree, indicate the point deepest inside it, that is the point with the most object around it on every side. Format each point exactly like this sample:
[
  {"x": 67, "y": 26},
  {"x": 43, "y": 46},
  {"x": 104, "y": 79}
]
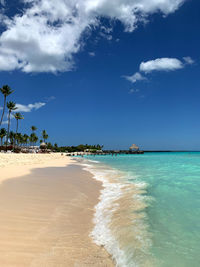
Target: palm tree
[
  {"x": 49, "y": 146},
  {"x": 26, "y": 139},
  {"x": 11, "y": 106},
  {"x": 44, "y": 135},
  {"x": 32, "y": 136},
  {"x": 33, "y": 139},
  {"x": 33, "y": 129},
  {"x": 2, "y": 135},
  {"x": 6, "y": 91},
  {"x": 18, "y": 138},
  {"x": 18, "y": 116},
  {"x": 12, "y": 137}
]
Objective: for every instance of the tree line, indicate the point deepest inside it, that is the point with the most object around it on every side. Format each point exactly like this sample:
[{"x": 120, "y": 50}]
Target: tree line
[
  {"x": 79, "y": 148},
  {"x": 15, "y": 139}
]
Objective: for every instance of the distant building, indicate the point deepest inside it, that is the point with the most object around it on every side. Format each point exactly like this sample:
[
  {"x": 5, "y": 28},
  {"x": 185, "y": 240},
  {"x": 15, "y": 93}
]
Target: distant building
[{"x": 134, "y": 148}]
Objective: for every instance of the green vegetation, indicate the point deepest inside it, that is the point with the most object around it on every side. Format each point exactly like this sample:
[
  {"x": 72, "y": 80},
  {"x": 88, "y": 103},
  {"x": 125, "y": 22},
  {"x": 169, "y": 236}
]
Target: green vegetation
[
  {"x": 45, "y": 136},
  {"x": 18, "y": 116},
  {"x": 2, "y": 135},
  {"x": 79, "y": 148},
  {"x": 6, "y": 91},
  {"x": 11, "y": 106},
  {"x": 33, "y": 129},
  {"x": 15, "y": 140}
]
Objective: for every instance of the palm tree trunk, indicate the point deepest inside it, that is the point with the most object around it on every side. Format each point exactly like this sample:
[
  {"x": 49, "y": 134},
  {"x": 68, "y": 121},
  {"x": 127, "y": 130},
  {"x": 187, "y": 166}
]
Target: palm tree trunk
[
  {"x": 15, "y": 135},
  {"x": 4, "y": 106},
  {"x": 8, "y": 131},
  {"x": 1, "y": 141},
  {"x": 17, "y": 127}
]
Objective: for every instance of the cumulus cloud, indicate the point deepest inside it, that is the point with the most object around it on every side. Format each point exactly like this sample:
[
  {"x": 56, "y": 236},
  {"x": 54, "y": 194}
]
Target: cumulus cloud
[
  {"x": 188, "y": 60},
  {"x": 45, "y": 37},
  {"x": 29, "y": 107},
  {"x": 25, "y": 108},
  {"x": 161, "y": 64},
  {"x": 135, "y": 77}
]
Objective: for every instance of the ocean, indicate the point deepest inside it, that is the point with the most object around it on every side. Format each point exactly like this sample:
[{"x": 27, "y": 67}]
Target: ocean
[{"x": 149, "y": 209}]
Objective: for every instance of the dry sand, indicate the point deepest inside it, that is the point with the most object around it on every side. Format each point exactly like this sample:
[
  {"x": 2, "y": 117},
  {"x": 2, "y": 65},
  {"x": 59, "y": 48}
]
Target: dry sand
[
  {"x": 16, "y": 165},
  {"x": 46, "y": 212}
]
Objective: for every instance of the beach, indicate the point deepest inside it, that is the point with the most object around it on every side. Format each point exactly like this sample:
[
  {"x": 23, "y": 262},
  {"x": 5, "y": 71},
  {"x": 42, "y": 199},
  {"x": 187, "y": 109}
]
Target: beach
[
  {"x": 129, "y": 210},
  {"x": 46, "y": 209}
]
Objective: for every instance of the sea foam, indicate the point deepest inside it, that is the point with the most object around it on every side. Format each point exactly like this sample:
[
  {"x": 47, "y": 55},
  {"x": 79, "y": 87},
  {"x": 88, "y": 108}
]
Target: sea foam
[
  {"x": 107, "y": 229},
  {"x": 101, "y": 233}
]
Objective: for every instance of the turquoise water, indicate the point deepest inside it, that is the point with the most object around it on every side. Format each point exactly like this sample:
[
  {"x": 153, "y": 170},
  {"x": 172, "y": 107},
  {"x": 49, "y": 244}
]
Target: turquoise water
[{"x": 172, "y": 196}]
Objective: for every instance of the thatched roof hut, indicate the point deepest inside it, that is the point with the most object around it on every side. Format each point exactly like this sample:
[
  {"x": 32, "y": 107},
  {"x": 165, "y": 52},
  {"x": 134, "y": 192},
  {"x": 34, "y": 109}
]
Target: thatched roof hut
[
  {"x": 134, "y": 147},
  {"x": 43, "y": 146}
]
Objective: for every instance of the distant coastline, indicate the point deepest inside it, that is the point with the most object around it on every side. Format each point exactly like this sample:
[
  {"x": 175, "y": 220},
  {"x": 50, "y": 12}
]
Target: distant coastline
[{"x": 164, "y": 151}]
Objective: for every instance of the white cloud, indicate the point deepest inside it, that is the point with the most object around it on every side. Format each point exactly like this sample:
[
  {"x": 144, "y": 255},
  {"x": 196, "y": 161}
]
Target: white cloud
[
  {"x": 29, "y": 107},
  {"x": 132, "y": 91},
  {"x": 50, "y": 98},
  {"x": 106, "y": 33},
  {"x": 161, "y": 64},
  {"x": 135, "y": 77},
  {"x": 92, "y": 54},
  {"x": 48, "y": 33},
  {"x": 106, "y": 36},
  {"x": 188, "y": 60},
  {"x": 25, "y": 108},
  {"x": 106, "y": 30}
]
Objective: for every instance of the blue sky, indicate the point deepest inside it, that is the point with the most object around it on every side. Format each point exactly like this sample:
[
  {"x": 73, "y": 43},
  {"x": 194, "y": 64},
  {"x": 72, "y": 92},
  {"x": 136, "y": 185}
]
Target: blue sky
[{"x": 79, "y": 77}]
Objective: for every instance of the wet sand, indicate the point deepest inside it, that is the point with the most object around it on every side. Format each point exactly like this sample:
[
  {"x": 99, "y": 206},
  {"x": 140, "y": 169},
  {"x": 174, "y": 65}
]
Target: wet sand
[{"x": 46, "y": 218}]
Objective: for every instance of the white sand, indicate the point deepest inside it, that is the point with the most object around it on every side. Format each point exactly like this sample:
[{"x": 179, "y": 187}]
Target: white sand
[
  {"x": 46, "y": 213},
  {"x": 15, "y": 165}
]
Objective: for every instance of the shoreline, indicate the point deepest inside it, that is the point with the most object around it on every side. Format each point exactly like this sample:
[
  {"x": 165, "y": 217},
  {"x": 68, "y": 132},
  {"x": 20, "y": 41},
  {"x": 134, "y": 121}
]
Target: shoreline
[
  {"x": 47, "y": 220},
  {"x": 121, "y": 230}
]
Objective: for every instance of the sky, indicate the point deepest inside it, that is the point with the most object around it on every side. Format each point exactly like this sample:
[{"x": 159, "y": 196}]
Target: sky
[{"x": 111, "y": 72}]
